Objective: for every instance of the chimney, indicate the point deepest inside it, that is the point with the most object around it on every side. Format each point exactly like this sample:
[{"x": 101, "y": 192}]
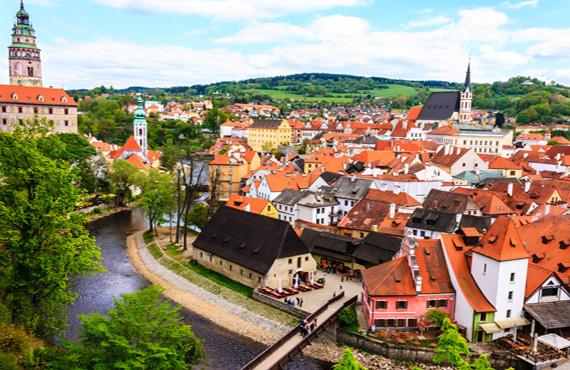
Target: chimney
[
  {"x": 458, "y": 219},
  {"x": 546, "y": 209},
  {"x": 406, "y": 168},
  {"x": 527, "y": 186},
  {"x": 446, "y": 149},
  {"x": 247, "y": 208},
  {"x": 510, "y": 189},
  {"x": 392, "y": 211},
  {"x": 419, "y": 284},
  {"x": 458, "y": 151},
  {"x": 525, "y": 155},
  {"x": 397, "y": 189},
  {"x": 384, "y": 186},
  {"x": 375, "y": 228}
]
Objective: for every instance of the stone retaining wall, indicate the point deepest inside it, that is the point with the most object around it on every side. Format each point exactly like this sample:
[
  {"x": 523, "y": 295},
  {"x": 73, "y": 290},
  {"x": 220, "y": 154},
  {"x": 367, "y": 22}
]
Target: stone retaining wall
[
  {"x": 414, "y": 354},
  {"x": 279, "y": 304}
]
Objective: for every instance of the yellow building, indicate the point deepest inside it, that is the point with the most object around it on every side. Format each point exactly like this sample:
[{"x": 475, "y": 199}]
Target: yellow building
[
  {"x": 227, "y": 170},
  {"x": 255, "y": 205},
  {"x": 266, "y": 135}
]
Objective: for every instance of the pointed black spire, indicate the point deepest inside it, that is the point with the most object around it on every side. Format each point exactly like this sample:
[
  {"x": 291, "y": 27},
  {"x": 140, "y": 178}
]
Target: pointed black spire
[
  {"x": 468, "y": 77},
  {"x": 21, "y": 4}
]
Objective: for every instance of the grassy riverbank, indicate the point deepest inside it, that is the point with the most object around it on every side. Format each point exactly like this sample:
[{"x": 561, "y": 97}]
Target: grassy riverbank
[{"x": 218, "y": 285}]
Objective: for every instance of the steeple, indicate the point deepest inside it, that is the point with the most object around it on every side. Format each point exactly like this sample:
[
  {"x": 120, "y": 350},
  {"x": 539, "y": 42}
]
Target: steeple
[
  {"x": 468, "y": 77},
  {"x": 140, "y": 126},
  {"x": 24, "y": 55}
]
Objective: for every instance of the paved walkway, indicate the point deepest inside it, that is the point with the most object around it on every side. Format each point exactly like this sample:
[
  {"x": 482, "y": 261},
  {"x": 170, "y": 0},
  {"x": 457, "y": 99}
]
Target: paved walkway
[
  {"x": 296, "y": 340},
  {"x": 204, "y": 303}
]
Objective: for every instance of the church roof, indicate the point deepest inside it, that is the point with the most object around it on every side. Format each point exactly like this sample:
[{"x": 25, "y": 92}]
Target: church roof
[{"x": 440, "y": 106}]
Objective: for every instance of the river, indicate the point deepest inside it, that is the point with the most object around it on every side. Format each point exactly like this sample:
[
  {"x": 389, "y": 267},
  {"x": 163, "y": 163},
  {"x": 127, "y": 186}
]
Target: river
[{"x": 224, "y": 349}]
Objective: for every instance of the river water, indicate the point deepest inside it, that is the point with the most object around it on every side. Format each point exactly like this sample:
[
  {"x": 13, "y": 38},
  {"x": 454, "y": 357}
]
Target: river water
[{"x": 224, "y": 349}]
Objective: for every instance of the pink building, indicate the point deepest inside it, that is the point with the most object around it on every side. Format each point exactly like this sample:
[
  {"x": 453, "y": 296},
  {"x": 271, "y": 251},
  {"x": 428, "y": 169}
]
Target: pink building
[{"x": 399, "y": 293}]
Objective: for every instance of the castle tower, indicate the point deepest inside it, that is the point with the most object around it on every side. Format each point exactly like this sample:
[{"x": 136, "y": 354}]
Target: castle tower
[
  {"x": 24, "y": 55},
  {"x": 140, "y": 126},
  {"x": 466, "y": 100}
]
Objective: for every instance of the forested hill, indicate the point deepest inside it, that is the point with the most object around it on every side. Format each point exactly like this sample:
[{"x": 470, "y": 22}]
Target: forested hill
[{"x": 528, "y": 99}]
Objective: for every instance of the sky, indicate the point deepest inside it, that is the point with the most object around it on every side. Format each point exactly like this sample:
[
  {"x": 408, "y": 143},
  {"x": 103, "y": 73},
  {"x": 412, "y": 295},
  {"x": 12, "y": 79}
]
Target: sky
[{"x": 162, "y": 43}]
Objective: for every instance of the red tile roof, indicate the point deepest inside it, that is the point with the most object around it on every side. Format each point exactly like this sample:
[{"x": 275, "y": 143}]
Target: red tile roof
[
  {"x": 14, "y": 94},
  {"x": 393, "y": 278},
  {"x": 455, "y": 250},
  {"x": 502, "y": 242},
  {"x": 256, "y": 205}
]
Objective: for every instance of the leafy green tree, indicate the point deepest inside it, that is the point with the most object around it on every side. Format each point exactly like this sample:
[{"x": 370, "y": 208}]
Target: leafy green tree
[
  {"x": 452, "y": 347},
  {"x": 437, "y": 317},
  {"x": 214, "y": 119},
  {"x": 159, "y": 197},
  {"x": 348, "y": 362},
  {"x": 198, "y": 216},
  {"x": 124, "y": 177},
  {"x": 481, "y": 363},
  {"x": 142, "y": 331},
  {"x": 43, "y": 242}
]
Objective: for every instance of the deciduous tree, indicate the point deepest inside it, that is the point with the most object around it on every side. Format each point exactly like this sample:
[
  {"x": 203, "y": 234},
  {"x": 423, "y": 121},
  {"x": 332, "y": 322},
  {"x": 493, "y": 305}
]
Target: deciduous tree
[{"x": 142, "y": 331}]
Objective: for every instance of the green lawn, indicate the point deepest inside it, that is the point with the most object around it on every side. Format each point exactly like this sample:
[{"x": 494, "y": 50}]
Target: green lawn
[
  {"x": 220, "y": 279},
  {"x": 221, "y": 286},
  {"x": 394, "y": 91},
  {"x": 280, "y": 94}
]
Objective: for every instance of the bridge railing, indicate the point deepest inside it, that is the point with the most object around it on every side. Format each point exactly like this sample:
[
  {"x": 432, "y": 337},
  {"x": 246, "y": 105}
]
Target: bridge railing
[{"x": 295, "y": 331}]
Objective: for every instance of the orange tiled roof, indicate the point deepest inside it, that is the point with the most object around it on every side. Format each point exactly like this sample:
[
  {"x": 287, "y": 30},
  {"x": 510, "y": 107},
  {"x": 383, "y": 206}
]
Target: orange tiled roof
[
  {"x": 393, "y": 278},
  {"x": 401, "y": 199},
  {"x": 14, "y": 94},
  {"x": 502, "y": 242},
  {"x": 500, "y": 163},
  {"x": 433, "y": 268},
  {"x": 447, "y": 160},
  {"x": 535, "y": 278},
  {"x": 256, "y": 205},
  {"x": 455, "y": 250}
]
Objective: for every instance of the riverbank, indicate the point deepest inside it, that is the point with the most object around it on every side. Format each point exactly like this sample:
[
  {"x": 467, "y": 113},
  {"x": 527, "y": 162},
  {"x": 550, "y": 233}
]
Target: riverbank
[
  {"x": 99, "y": 213},
  {"x": 200, "y": 301}
]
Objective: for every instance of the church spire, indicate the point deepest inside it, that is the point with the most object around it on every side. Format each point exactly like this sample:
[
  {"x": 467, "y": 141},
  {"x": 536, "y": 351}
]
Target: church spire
[{"x": 468, "y": 77}]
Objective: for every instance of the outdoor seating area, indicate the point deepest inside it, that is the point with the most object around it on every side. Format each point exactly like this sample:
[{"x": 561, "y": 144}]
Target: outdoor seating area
[
  {"x": 546, "y": 348},
  {"x": 287, "y": 292}
]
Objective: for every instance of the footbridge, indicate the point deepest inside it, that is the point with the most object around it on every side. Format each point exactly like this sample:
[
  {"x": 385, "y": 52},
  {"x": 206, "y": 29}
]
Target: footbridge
[{"x": 276, "y": 356}]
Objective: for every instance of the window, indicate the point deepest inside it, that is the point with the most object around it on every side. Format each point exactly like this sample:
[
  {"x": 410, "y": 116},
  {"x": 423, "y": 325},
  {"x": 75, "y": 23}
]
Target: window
[
  {"x": 290, "y": 261},
  {"x": 412, "y": 323},
  {"x": 4, "y": 121},
  {"x": 221, "y": 263},
  {"x": 381, "y": 305},
  {"x": 306, "y": 259},
  {"x": 241, "y": 272},
  {"x": 201, "y": 255},
  {"x": 401, "y": 305},
  {"x": 31, "y": 71},
  {"x": 512, "y": 277},
  {"x": 483, "y": 316},
  {"x": 432, "y": 303},
  {"x": 66, "y": 123},
  {"x": 550, "y": 292},
  {"x": 391, "y": 323},
  {"x": 484, "y": 269},
  {"x": 4, "y": 109},
  {"x": 442, "y": 303},
  {"x": 50, "y": 111},
  {"x": 250, "y": 275},
  {"x": 510, "y": 295},
  {"x": 66, "y": 111},
  {"x": 36, "y": 110},
  {"x": 20, "y": 110},
  {"x": 380, "y": 323},
  {"x": 401, "y": 323},
  {"x": 508, "y": 314}
]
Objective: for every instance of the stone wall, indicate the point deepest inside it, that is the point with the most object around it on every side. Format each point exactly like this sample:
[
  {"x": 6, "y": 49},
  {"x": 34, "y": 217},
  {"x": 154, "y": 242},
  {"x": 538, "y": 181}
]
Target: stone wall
[
  {"x": 415, "y": 354},
  {"x": 279, "y": 304}
]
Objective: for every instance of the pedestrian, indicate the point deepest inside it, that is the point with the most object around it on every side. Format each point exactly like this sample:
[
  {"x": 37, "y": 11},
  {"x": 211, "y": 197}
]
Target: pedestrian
[
  {"x": 298, "y": 301},
  {"x": 341, "y": 287},
  {"x": 334, "y": 294},
  {"x": 301, "y": 302}
]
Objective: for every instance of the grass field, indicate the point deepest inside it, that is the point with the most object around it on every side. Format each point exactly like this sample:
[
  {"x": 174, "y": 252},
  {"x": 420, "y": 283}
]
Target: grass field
[{"x": 391, "y": 91}]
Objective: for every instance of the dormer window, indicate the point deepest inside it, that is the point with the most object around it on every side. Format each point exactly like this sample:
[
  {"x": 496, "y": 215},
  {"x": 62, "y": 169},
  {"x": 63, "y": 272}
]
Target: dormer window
[
  {"x": 41, "y": 98},
  {"x": 63, "y": 99},
  {"x": 14, "y": 96}
]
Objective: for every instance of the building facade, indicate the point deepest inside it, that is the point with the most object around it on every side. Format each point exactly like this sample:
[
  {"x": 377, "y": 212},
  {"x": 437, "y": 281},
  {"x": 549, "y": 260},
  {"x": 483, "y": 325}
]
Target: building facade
[{"x": 266, "y": 135}]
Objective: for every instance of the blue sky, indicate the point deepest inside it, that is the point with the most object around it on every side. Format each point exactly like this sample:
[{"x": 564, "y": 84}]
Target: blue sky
[{"x": 123, "y": 43}]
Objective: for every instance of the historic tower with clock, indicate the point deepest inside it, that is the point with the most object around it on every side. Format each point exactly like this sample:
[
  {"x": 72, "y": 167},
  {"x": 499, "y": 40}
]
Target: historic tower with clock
[{"x": 24, "y": 55}]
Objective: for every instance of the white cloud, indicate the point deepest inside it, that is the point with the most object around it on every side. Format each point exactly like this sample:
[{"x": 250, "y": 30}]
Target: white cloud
[
  {"x": 520, "y": 4},
  {"x": 428, "y": 22},
  {"x": 231, "y": 9},
  {"x": 335, "y": 44}
]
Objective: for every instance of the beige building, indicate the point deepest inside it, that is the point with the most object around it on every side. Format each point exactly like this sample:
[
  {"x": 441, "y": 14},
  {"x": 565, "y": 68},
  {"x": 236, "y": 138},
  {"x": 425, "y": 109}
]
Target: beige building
[
  {"x": 228, "y": 168},
  {"x": 266, "y": 135},
  {"x": 480, "y": 140},
  {"x": 253, "y": 250},
  {"x": 21, "y": 104}
]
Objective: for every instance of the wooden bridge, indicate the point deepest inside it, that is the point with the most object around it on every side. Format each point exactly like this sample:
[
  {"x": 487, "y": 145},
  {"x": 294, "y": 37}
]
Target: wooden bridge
[{"x": 276, "y": 356}]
